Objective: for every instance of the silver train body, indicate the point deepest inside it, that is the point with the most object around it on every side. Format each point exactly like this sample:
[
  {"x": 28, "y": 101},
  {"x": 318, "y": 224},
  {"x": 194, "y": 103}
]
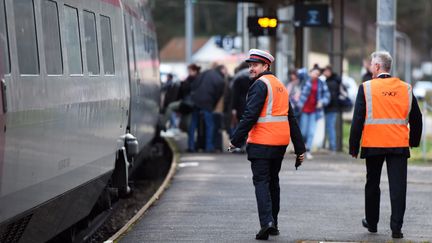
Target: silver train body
[{"x": 76, "y": 75}]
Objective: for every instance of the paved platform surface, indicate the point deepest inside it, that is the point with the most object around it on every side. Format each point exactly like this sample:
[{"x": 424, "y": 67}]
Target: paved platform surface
[{"x": 211, "y": 199}]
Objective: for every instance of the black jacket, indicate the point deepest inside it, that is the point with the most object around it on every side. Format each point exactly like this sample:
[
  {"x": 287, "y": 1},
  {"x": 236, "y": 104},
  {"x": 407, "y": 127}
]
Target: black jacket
[
  {"x": 240, "y": 89},
  {"x": 207, "y": 89},
  {"x": 185, "y": 87},
  {"x": 333, "y": 84},
  {"x": 171, "y": 95},
  {"x": 415, "y": 122},
  {"x": 367, "y": 76},
  {"x": 255, "y": 101}
]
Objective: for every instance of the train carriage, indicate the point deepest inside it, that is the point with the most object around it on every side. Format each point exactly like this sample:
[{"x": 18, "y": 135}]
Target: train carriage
[{"x": 76, "y": 77}]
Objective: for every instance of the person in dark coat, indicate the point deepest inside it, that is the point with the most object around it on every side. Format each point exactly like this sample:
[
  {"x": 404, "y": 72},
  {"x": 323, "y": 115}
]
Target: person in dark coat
[
  {"x": 266, "y": 158},
  {"x": 185, "y": 86},
  {"x": 368, "y": 74},
  {"x": 178, "y": 108},
  {"x": 240, "y": 88},
  {"x": 206, "y": 90},
  {"x": 395, "y": 156},
  {"x": 171, "y": 91},
  {"x": 332, "y": 109}
]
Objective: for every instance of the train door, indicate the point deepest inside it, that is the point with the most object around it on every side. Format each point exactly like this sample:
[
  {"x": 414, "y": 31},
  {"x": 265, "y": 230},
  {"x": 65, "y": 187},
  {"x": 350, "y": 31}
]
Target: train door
[
  {"x": 132, "y": 67},
  {"x": 4, "y": 70}
]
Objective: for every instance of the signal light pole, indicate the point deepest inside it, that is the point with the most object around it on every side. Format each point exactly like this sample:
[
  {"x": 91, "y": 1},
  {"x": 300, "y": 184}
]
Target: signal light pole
[
  {"x": 189, "y": 25},
  {"x": 386, "y": 22}
]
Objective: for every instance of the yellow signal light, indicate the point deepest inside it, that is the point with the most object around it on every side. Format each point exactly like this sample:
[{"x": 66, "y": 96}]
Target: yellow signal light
[
  {"x": 263, "y": 22},
  {"x": 273, "y": 23},
  {"x": 267, "y": 23}
]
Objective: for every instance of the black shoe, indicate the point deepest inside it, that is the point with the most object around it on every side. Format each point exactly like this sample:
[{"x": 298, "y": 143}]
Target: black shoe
[
  {"x": 264, "y": 232},
  {"x": 397, "y": 235},
  {"x": 372, "y": 229},
  {"x": 274, "y": 231}
]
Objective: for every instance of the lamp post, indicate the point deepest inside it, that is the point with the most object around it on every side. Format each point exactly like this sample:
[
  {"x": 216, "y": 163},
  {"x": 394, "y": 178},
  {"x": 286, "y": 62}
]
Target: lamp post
[{"x": 189, "y": 16}]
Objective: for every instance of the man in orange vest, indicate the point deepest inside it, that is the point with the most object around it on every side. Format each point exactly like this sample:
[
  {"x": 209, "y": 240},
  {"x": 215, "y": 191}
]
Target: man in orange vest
[
  {"x": 268, "y": 122},
  {"x": 384, "y": 107}
]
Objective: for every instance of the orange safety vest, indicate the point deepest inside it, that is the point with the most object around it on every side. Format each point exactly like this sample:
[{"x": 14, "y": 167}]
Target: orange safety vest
[
  {"x": 388, "y": 104},
  {"x": 272, "y": 127}
]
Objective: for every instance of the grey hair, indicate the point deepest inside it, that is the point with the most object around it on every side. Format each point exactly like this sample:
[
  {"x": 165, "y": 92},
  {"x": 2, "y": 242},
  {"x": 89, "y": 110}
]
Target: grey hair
[{"x": 384, "y": 58}]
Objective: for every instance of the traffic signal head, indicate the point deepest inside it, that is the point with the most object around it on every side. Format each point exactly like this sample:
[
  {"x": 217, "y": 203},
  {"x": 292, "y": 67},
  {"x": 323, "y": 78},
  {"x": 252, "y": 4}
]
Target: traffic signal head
[
  {"x": 262, "y": 25},
  {"x": 265, "y": 22}
]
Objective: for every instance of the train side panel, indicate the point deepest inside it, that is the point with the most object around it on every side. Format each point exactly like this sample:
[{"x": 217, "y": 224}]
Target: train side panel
[
  {"x": 67, "y": 105},
  {"x": 143, "y": 71}
]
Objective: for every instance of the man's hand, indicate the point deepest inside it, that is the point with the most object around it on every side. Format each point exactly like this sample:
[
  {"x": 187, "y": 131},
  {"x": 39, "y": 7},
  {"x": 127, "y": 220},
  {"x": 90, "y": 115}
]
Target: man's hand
[
  {"x": 231, "y": 147},
  {"x": 301, "y": 157},
  {"x": 299, "y": 160}
]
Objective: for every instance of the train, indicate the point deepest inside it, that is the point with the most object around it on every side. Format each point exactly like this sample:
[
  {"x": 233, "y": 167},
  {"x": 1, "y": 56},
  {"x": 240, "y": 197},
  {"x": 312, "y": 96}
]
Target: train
[{"x": 79, "y": 105}]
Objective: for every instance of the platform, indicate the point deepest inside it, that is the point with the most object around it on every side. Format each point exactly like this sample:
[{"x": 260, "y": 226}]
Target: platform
[{"x": 211, "y": 199}]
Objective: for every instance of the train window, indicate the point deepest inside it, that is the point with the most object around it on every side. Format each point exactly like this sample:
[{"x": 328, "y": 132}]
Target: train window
[
  {"x": 107, "y": 47},
  {"x": 27, "y": 50},
  {"x": 4, "y": 45},
  {"x": 51, "y": 31},
  {"x": 91, "y": 43},
  {"x": 72, "y": 39}
]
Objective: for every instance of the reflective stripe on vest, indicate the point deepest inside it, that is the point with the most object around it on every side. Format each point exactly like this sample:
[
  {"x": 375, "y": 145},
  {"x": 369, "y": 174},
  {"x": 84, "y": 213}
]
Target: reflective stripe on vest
[
  {"x": 388, "y": 104},
  {"x": 269, "y": 117},
  {"x": 369, "y": 107},
  {"x": 272, "y": 127}
]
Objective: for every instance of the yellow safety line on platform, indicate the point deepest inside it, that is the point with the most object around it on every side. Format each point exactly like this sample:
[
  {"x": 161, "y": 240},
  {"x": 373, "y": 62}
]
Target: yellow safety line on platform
[{"x": 155, "y": 197}]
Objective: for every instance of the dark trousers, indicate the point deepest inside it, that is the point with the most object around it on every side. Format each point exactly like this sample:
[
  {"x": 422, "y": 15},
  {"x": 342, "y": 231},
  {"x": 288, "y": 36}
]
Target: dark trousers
[
  {"x": 209, "y": 127},
  {"x": 267, "y": 191},
  {"x": 397, "y": 176}
]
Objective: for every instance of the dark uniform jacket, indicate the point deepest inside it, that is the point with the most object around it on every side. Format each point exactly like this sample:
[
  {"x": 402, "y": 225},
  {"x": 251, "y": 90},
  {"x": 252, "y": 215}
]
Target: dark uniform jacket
[
  {"x": 255, "y": 101},
  {"x": 415, "y": 122}
]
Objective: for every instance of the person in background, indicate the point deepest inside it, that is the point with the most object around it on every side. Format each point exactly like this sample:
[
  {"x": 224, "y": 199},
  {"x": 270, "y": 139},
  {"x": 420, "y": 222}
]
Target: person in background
[
  {"x": 227, "y": 106},
  {"x": 175, "y": 108},
  {"x": 241, "y": 82},
  {"x": 332, "y": 109},
  {"x": 168, "y": 82},
  {"x": 185, "y": 86},
  {"x": 171, "y": 89},
  {"x": 268, "y": 123},
  {"x": 294, "y": 91},
  {"x": 206, "y": 90},
  {"x": 387, "y": 121},
  {"x": 368, "y": 73},
  {"x": 314, "y": 96},
  {"x": 222, "y": 114},
  {"x": 240, "y": 87}
]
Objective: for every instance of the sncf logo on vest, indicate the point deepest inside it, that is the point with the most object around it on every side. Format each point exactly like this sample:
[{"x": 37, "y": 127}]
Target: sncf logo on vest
[{"x": 389, "y": 93}]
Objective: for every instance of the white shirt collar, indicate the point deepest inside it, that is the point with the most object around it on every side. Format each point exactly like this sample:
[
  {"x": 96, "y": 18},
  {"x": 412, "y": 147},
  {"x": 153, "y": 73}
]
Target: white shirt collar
[{"x": 383, "y": 74}]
